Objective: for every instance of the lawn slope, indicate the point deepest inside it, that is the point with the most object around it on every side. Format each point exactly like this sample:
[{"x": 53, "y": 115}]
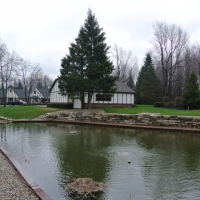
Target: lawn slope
[
  {"x": 151, "y": 109},
  {"x": 25, "y": 112}
]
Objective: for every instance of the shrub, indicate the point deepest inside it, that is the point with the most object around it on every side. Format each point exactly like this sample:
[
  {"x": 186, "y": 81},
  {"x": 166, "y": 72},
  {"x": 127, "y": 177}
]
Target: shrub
[
  {"x": 191, "y": 94},
  {"x": 158, "y": 104},
  {"x": 165, "y": 99},
  {"x": 61, "y": 105},
  {"x": 177, "y": 101}
]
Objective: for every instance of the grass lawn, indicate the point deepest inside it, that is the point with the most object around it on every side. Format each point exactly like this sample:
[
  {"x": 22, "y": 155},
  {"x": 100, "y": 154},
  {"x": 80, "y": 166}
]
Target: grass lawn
[
  {"x": 25, "y": 112},
  {"x": 152, "y": 109}
]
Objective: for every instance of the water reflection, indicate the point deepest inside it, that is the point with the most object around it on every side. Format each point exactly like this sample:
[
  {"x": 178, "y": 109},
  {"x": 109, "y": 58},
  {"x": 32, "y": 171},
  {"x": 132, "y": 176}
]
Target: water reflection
[
  {"x": 164, "y": 165},
  {"x": 82, "y": 154},
  {"x": 174, "y": 157},
  {"x": 3, "y": 132}
]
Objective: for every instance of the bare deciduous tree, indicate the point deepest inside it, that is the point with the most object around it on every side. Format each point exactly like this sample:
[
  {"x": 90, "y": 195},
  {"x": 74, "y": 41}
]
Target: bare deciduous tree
[
  {"x": 28, "y": 74},
  {"x": 7, "y": 65},
  {"x": 34, "y": 75},
  {"x": 14, "y": 69},
  {"x": 3, "y": 54},
  {"x": 170, "y": 41},
  {"x": 44, "y": 81},
  {"x": 125, "y": 63}
]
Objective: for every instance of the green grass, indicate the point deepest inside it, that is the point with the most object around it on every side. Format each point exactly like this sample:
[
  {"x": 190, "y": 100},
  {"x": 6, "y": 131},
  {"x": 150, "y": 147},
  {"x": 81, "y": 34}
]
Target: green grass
[
  {"x": 25, "y": 112},
  {"x": 31, "y": 112},
  {"x": 152, "y": 109}
]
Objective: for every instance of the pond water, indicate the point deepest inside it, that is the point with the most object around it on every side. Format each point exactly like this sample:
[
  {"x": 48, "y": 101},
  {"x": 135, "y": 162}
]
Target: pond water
[{"x": 164, "y": 165}]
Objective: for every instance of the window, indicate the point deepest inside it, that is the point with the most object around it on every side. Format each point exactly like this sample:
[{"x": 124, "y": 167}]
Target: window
[
  {"x": 10, "y": 99},
  {"x": 34, "y": 92},
  {"x": 102, "y": 97}
]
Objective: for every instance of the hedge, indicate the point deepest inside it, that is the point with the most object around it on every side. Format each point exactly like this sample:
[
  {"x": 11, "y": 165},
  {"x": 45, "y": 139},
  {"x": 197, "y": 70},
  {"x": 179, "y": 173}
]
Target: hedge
[
  {"x": 61, "y": 105},
  {"x": 158, "y": 104}
]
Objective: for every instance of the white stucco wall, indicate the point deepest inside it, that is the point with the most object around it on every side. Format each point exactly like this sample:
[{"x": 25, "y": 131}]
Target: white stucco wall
[
  {"x": 56, "y": 97},
  {"x": 11, "y": 95},
  {"x": 36, "y": 93},
  {"x": 117, "y": 98}
]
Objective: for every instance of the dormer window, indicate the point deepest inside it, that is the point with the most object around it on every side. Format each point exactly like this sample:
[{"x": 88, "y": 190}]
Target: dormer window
[{"x": 34, "y": 92}]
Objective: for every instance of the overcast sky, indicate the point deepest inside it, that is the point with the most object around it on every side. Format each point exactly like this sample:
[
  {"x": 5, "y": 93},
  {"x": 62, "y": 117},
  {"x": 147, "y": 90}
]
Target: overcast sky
[{"x": 42, "y": 30}]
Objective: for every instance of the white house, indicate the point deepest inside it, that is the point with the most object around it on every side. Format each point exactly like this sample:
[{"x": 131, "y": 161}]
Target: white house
[
  {"x": 123, "y": 97},
  {"x": 13, "y": 94},
  {"x": 37, "y": 96}
]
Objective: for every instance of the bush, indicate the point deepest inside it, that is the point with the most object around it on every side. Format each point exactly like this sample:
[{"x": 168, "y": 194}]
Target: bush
[
  {"x": 177, "y": 101},
  {"x": 61, "y": 105},
  {"x": 158, "y": 104},
  {"x": 165, "y": 99},
  {"x": 37, "y": 104}
]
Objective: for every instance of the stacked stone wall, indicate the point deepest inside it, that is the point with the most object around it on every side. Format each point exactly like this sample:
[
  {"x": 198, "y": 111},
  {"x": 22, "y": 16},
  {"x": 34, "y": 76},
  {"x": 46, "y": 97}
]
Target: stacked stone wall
[
  {"x": 140, "y": 119},
  {"x": 4, "y": 120}
]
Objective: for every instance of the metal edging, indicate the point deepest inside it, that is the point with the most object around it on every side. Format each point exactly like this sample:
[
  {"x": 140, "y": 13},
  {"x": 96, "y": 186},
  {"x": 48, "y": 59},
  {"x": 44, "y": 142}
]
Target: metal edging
[{"x": 38, "y": 191}]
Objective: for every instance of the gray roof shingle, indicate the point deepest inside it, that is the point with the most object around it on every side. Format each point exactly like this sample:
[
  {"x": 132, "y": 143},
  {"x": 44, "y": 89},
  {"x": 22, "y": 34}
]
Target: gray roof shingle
[
  {"x": 1, "y": 94},
  {"x": 45, "y": 93},
  {"x": 20, "y": 93},
  {"x": 123, "y": 88}
]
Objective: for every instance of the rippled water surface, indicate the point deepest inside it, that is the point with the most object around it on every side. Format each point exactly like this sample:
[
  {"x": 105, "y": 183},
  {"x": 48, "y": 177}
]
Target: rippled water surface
[{"x": 164, "y": 165}]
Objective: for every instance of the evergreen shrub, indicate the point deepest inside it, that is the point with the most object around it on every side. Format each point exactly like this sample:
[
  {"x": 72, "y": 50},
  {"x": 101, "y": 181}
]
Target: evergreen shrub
[
  {"x": 61, "y": 105},
  {"x": 158, "y": 104}
]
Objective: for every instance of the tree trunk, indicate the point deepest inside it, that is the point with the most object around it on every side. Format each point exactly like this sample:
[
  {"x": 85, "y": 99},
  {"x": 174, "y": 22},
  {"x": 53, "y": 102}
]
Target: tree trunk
[
  {"x": 82, "y": 100},
  {"x": 89, "y": 100},
  {"x": 4, "y": 94}
]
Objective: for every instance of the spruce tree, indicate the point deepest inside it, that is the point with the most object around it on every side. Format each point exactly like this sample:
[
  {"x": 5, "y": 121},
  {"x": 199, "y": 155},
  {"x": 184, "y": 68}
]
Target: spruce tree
[
  {"x": 150, "y": 87},
  {"x": 191, "y": 94},
  {"x": 19, "y": 86},
  {"x": 87, "y": 68},
  {"x": 72, "y": 78},
  {"x": 147, "y": 62},
  {"x": 130, "y": 82},
  {"x": 15, "y": 84},
  {"x": 40, "y": 85}
]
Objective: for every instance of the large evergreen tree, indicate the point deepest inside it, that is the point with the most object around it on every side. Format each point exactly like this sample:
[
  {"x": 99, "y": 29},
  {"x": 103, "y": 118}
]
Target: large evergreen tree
[
  {"x": 87, "y": 68},
  {"x": 150, "y": 87},
  {"x": 147, "y": 62},
  {"x": 72, "y": 79},
  {"x": 191, "y": 94}
]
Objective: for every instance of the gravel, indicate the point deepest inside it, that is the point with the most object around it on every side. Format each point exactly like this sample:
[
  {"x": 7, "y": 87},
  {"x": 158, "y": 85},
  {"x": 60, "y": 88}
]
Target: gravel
[{"x": 12, "y": 185}]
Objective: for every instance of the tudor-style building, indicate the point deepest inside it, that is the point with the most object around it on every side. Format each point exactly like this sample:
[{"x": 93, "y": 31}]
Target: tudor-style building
[
  {"x": 37, "y": 96},
  {"x": 123, "y": 97},
  {"x": 14, "y": 94}
]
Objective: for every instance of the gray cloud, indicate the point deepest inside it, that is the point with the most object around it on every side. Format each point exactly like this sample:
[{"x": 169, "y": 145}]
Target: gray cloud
[{"x": 42, "y": 30}]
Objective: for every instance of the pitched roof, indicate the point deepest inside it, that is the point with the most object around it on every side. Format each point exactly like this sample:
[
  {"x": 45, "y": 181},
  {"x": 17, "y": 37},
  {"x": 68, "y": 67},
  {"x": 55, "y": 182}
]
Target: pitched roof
[
  {"x": 121, "y": 87},
  {"x": 44, "y": 92},
  {"x": 20, "y": 92},
  {"x": 53, "y": 84},
  {"x": 1, "y": 94}
]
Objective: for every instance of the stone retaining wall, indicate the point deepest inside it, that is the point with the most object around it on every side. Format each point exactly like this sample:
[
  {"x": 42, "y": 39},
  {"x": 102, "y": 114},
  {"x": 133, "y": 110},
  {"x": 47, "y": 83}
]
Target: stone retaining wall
[
  {"x": 4, "y": 120},
  {"x": 140, "y": 119}
]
